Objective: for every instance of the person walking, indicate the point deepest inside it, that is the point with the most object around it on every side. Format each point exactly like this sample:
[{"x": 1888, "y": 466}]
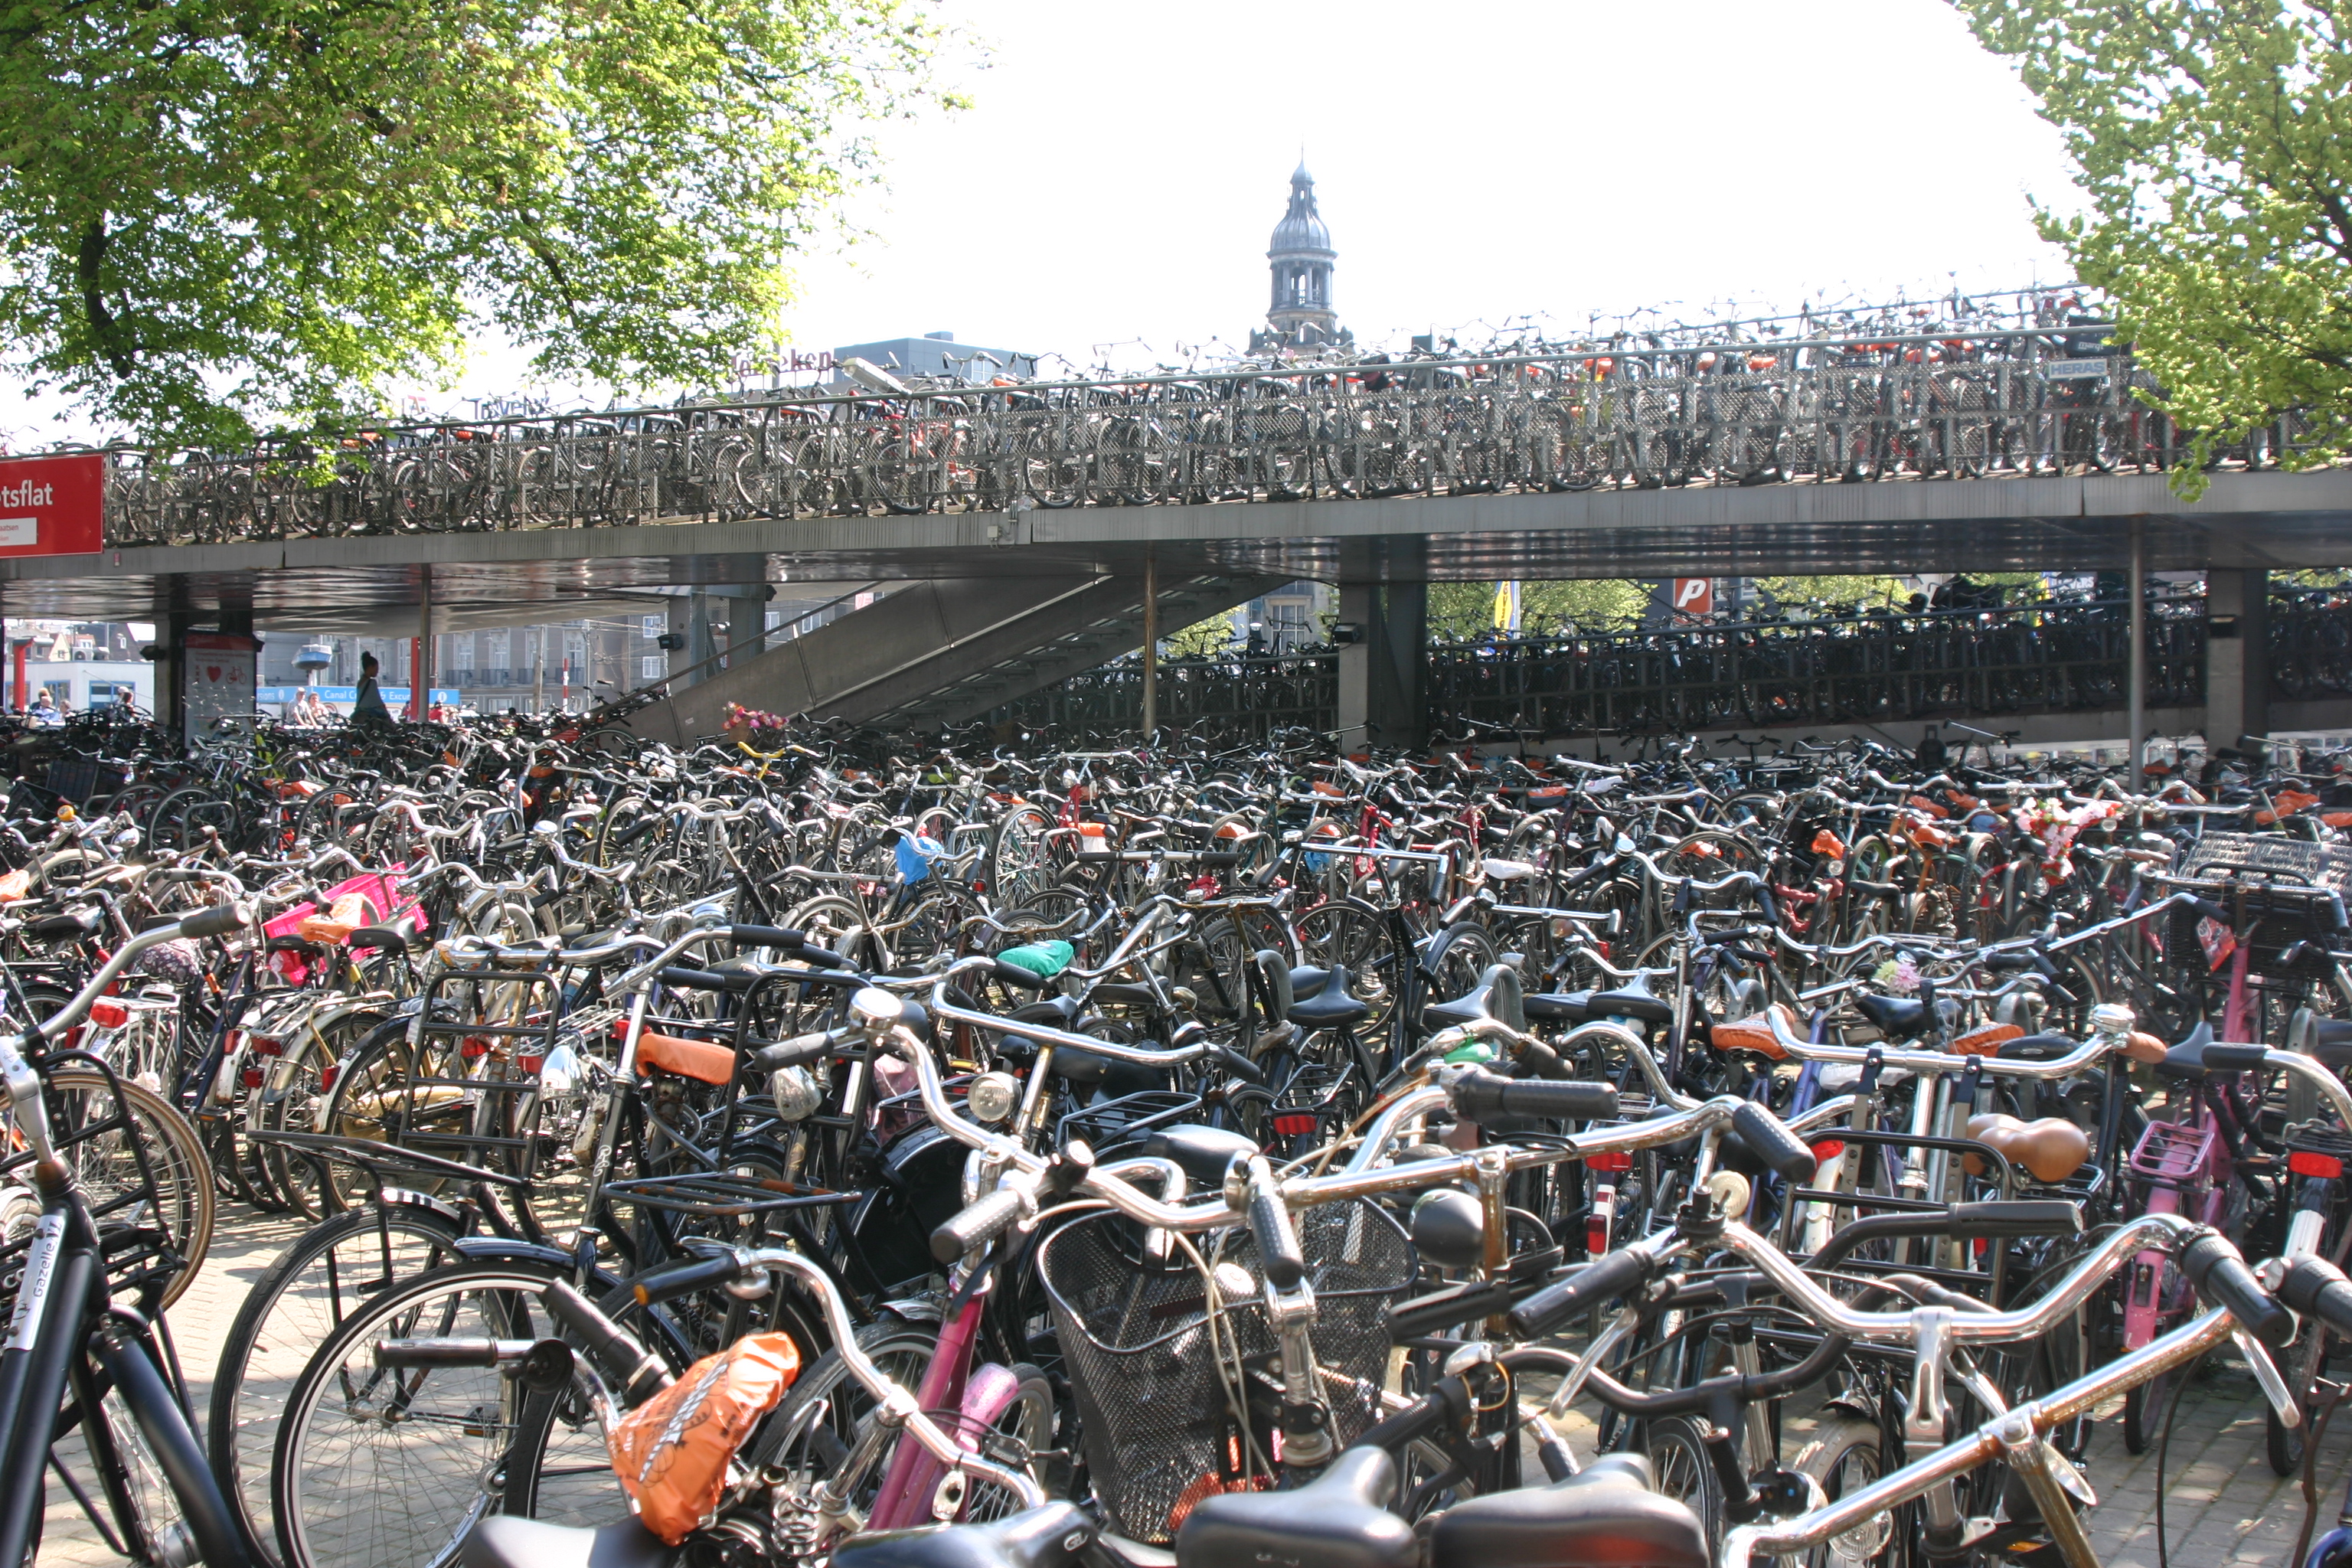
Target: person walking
[{"x": 369, "y": 708}]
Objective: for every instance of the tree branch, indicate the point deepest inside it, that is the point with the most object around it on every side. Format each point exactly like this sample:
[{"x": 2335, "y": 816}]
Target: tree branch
[{"x": 104, "y": 327}]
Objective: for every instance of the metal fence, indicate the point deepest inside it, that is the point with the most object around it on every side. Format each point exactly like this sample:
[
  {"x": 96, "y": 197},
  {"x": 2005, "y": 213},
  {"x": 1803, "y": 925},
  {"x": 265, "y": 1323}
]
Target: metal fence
[
  {"x": 2045, "y": 658},
  {"x": 1961, "y": 406}
]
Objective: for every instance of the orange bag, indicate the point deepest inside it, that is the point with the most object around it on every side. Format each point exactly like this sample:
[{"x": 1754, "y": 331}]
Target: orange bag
[{"x": 672, "y": 1452}]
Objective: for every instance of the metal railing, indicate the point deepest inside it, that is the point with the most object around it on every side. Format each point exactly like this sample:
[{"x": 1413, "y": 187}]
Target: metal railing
[
  {"x": 2021, "y": 402},
  {"x": 1869, "y": 669}
]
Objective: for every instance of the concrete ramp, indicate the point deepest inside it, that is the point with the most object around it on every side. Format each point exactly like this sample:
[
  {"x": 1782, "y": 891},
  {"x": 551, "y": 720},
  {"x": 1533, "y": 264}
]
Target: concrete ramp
[{"x": 940, "y": 653}]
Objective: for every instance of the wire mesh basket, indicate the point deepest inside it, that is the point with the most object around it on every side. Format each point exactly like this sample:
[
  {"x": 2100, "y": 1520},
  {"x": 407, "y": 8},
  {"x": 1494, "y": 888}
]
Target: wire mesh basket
[
  {"x": 2268, "y": 857},
  {"x": 2277, "y": 892},
  {"x": 1149, "y": 1362}
]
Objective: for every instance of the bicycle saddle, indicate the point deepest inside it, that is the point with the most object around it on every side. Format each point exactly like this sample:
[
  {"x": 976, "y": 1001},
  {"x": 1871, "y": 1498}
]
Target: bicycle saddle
[
  {"x": 392, "y": 936},
  {"x": 1203, "y": 1153},
  {"x": 72, "y": 925},
  {"x": 510, "y": 1541},
  {"x": 1604, "y": 1516},
  {"x": 1339, "y": 1520},
  {"x": 1897, "y": 1018},
  {"x": 1331, "y": 1005},
  {"x": 2331, "y": 1042},
  {"x": 2050, "y": 1150},
  {"x": 1045, "y": 1537},
  {"x": 1630, "y": 1004},
  {"x": 1508, "y": 870},
  {"x": 2200, "y": 1053},
  {"x": 1496, "y": 995},
  {"x": 2037, "y": 1047},
  {"x": 1558, "y": 1007}
]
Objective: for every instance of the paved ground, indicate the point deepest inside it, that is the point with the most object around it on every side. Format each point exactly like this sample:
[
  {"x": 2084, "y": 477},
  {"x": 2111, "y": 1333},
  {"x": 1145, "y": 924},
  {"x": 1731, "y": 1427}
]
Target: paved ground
[{"x": 2223, "y": 1506}]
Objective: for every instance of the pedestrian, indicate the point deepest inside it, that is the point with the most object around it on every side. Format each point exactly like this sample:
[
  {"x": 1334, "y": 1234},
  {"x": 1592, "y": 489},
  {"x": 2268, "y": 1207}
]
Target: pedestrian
[
  {"x": 368, "y": 709},
  {"x": 1931, "y": 750}
]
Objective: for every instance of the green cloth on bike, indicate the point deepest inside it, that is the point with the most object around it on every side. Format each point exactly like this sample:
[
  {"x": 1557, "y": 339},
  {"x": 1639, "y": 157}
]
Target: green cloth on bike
[{"x": 1042, "y": 959}]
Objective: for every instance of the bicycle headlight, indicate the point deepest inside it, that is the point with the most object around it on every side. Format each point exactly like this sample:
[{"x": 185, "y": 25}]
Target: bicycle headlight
[
  {"x": 795, "y": 1093},
  {"x": 559, "y": 1075},
  {"x": 991, "y": 1098}
]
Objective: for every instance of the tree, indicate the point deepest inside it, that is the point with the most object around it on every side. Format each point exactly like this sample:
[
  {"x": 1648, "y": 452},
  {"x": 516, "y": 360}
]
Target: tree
[
  {"x": 1201, "y": 639},
  {"x": 216, "y": 214},
  {"x": 2214, "y": 141}
]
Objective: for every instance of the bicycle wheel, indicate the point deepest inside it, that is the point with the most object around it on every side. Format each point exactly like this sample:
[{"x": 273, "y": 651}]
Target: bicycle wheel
[
  {"x": 141, "y": 1441},
  {"x": 393, "y": 1467},
  {"x": 1684, "y": 1473},
  {"x": 1346, "y": 931},
  {"x": 108, "y": 1167},
  {"x": 1845, "y": 1459},
  {"x": 296, "y": 1305}
]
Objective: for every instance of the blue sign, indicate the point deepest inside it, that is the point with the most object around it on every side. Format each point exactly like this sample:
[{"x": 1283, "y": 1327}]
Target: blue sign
[{"x": 393, "y": 696}]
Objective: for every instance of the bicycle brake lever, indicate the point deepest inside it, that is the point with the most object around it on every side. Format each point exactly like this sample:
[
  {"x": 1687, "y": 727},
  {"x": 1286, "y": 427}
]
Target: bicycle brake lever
[{"x": 2267, "y": 1372}]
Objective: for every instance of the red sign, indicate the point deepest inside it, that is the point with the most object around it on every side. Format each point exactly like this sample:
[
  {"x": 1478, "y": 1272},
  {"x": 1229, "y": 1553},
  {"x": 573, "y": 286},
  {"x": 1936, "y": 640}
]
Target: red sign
[
  {"x": 1694, "y": 595},
  {"x": 52, "y": 506}
]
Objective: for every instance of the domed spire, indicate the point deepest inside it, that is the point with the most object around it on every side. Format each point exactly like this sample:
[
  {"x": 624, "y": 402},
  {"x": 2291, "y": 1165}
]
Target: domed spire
[{"x": 1301, "y": 258}]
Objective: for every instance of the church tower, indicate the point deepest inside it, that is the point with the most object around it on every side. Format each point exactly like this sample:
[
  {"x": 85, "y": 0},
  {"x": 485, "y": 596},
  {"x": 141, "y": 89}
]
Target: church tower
[{"x": 1300, "y": 258}]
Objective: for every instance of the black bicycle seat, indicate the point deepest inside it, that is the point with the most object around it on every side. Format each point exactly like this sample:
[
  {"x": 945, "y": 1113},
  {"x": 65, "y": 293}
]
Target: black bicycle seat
[
  {"x": 1307, "y": 979},
  {"x": 1201, "y": 1152},
  {"x": 1604, "y": 1516},
  {"x": 1339, "y": 1520},
  {"x": 2200, "y": 1053},
  {"x": 1045, "y": 1537},
  {"x": 1638, "y": 1005},
  {"x": 1559, "y": 1006},
  {"x": 1897, "y": 1018},
  {"x": 1331, "y": 1005},
  {"x": 1496, "y": 995},
  {"x": 2038, "y": 1048},
  {"x": 71, "y": 925},
  {"x": 510, "y": 1541},
  {"x": 392, "y": 936},
  {"x": 2331, "y": 1042}
]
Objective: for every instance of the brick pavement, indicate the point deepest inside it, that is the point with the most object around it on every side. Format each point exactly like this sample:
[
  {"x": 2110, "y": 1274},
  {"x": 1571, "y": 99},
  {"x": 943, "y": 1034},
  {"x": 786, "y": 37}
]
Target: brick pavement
[{"x": 2224, "y": 1508}]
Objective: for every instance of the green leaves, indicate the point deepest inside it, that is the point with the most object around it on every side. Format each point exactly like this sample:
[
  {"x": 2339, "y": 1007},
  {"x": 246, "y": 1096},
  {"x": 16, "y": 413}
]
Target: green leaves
[
  {"x": 2214, "y": 138},
  {"x": 221, "y": 214}
]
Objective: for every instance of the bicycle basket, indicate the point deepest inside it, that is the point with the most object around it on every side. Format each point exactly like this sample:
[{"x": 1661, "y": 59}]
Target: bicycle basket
[{"x": 1143, "y": 1356}]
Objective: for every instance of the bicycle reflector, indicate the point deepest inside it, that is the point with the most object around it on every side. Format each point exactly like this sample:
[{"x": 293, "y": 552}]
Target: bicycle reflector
[
  {"x": 109, "y": 1014},
  {"x": 2301, "y": 1162},
  {"x": 1609, "y": 1160}
]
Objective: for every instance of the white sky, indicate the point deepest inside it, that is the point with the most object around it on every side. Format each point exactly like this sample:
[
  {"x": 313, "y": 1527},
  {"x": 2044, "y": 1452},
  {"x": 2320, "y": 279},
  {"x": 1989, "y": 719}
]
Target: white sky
[{"x": 1118, "y": 177}]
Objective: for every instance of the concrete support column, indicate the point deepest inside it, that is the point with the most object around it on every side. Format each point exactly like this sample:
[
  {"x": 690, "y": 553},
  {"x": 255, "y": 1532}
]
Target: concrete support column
[
  {"x": 680, "y": 624},
  {"x": 1359, "y": 608},
  {"x": 746, "y": 618},
  {"x": 420, "y": 667},
  {"x": 2237, "y": 657},
  {"x": 1382, "y": 675}
]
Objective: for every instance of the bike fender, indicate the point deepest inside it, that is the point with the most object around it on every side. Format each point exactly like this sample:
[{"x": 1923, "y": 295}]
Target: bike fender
[
  {"x": 988, "y": 1395},
  {"x": 512, "y": 1249}
]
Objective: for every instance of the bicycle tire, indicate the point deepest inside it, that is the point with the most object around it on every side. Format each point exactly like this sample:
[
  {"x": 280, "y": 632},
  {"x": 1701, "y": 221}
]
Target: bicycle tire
[
  {"x": 331, "y": 1497},
  {"x": 290, "y": 1310},
  {"x": 184, "y": 1182},
  {"x": 167, "y": 1450},
  {"x": 1844, "y": 1456}
]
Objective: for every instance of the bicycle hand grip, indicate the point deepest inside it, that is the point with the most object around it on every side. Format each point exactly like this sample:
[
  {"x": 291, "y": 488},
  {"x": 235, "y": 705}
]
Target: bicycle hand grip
[
  {"x": 678, "y": 978},
  {"x": 221, "y": 920},
  {"x": 2221, "y": 1276},
  {"x": 2318, "y": 1288},
  {"x": 684, "y": 1280},
  {"x": 1269, "y": 1219},
  {"x": 2015, "y": 1216},
  {"x": 1604, "y": 1280},
  {"x": 2220, "y": 1058},
  {"x": 437, "y": 1352},
  {"x": 2210, "y": 910},
  {"x": 1768, "y": 1139},
  {"x": 784, "y": 937},
  {"x": 1240, "y": 1066},
  {"x": 1482, "y": 1096},
  {"x": 977, "y": 1226},
  {"x": 610, "y": 1344},
  {"x": 1014, "y": 975},
  {"x": 792, "y": 1053},
  {"x": 1442, "y": 1309}
]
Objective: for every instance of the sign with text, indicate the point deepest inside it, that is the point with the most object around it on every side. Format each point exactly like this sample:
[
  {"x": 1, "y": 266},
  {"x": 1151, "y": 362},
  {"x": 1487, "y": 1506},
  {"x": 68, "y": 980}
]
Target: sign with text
[
  {"x": 52, "y": 506},
  {"x": 1694, "y": 595}
]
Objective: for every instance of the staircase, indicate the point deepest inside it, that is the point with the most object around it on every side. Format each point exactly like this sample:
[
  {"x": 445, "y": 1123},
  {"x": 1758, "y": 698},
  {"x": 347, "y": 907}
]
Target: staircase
[{"x": 940, "y": 653}]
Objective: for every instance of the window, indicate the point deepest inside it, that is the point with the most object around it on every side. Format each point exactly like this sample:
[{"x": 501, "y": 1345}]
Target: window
[
  {"x": 651, "y": 667},
  {"x": 652, "y": 626}
]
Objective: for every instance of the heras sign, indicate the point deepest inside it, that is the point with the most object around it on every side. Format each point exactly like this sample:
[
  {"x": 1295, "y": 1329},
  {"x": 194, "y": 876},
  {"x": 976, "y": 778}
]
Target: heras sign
[{"x": 52, "y": 506}]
